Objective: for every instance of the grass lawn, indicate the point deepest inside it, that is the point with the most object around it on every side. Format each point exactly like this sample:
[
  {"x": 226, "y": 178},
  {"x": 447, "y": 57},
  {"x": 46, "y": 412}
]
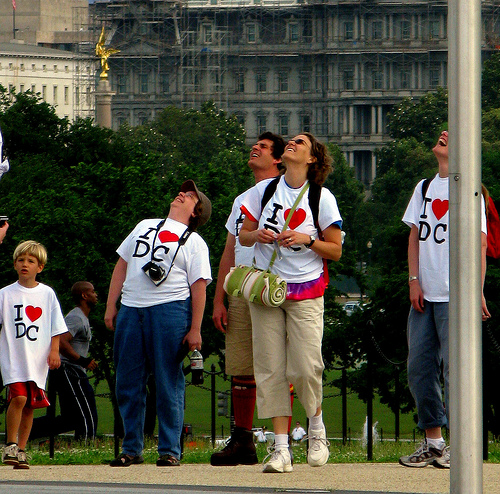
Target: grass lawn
[{"x": 198, "y": 412}]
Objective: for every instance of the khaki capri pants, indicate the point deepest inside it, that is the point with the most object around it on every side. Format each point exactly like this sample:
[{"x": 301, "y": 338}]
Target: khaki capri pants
[{"x": 287, "y": 349}]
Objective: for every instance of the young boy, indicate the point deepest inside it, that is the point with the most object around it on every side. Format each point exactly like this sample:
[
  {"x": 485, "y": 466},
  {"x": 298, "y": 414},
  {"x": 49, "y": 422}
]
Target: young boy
[{"x": 32, "y": 321}]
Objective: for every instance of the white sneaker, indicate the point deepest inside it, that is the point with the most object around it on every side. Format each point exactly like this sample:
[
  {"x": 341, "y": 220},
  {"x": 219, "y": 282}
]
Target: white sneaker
[
  {"x": 317, "y": 453},
  {"x": 9, "y": 455},
  {"x": 279, "y": 461}
]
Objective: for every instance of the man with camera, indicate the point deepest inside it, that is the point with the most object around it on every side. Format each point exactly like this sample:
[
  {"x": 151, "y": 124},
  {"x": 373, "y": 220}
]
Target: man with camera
[{"x": 162, "y": 274}]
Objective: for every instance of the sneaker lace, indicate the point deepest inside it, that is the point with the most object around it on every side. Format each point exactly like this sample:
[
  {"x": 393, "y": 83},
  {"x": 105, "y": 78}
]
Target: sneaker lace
[
  {"x": 316, "y": 441},
  {"x": 273, "y": 454},
  {"x": 22, "y": 456},
  {"x": 424, "y": 447}
]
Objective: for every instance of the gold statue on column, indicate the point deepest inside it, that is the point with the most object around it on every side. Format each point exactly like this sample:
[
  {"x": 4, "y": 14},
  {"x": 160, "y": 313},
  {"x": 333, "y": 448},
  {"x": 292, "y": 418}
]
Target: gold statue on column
[{"x": 104, "y": 53}]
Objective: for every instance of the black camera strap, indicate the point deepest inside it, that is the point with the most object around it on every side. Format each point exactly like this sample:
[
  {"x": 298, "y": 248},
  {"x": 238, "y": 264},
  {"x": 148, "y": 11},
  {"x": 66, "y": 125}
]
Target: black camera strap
[{"x": 181, "y": 242}]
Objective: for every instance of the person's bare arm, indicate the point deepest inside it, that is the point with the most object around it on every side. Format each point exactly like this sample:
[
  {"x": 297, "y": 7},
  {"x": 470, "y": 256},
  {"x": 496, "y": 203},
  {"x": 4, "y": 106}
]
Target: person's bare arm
[
  {"x": 115, "y": 289},
  {"x": 219, "y": 315},
  {"x": 416, "y": 293}
]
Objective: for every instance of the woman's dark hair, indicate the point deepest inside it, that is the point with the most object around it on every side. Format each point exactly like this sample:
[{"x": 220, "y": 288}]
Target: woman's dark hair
[{"x": 321, "y": 168}]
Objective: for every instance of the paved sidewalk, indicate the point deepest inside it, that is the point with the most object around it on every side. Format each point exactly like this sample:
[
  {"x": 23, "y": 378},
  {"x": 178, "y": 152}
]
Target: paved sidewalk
[{"x": 346, "y": 478}]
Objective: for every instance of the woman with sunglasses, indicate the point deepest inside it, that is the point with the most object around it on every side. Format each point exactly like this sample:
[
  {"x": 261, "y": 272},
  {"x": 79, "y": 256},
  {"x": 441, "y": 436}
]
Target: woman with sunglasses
[{"x": 287, "y": 339}]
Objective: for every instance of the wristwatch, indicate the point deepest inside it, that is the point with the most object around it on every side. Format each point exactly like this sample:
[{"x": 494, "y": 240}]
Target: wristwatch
[
  {"x": 312, "y": 240},
  {"x": 412, "y": 278}
]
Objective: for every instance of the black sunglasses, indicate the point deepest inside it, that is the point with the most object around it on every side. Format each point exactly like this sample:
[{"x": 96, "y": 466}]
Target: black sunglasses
[{"x": 299, "y": 141}]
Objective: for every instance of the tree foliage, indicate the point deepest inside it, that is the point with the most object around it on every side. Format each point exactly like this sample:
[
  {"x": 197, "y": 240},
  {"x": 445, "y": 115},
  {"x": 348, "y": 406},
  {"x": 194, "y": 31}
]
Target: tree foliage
[{"x": 80, "y": 189}]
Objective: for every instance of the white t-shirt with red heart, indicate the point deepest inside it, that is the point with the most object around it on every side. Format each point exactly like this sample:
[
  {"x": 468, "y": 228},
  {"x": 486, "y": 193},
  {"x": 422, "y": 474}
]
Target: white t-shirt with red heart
[
  {"x": 431, "y": 217},
  {"x": 298, "y": 264},
  {"x": 30, "y": 317},
  {"x": 191, "y": 263}
]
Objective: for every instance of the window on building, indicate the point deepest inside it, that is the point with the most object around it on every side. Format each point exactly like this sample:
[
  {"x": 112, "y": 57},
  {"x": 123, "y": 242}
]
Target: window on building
[
  {"x": 11, "y": 65},
  {"x": 239, "y": 79},
  {"x": 405, "y": 29},
  {"x": 21, "y": 88},
  {"x": 22, "y": 66},
  {"x": 293, "y": 28},
  {"x": 283, "y": 81},
  {"x": 66, "y": 68},
  {"x": 377, "y": 30},
  {"x": 305, "y": 123},
  {"x": 77, "y": 96},
  {"x": 261, "y": 82},
  {"x": 283, "y": 125},
  {"x": 33, "y": 67},
  {"x": 44, "y": 68},
  {"x": 55, "y": 68},
  {"x": 241, "y": 119},
  {"x": 251, "y": 33},
  {"x": 377, "y": 79},
  {"x": 44, "y": 92},
  {"x": 405, "y": 79},
  {"x": 33, "y": 88},
  {"x": 11, "y": 88},
  {"x": 307, "y": 29},
  {"x": 207, "y": 34},
  {"x": 165, "y": 83},
  {"x": 54, "y": 95},
  {"x": 433, "y": 78},
  {"x": 348, "y": 80},
  {"x": 144, "y": 83},
  {"x": 66, "y": 95},
  {"x": 305, "y": 82},
  {"x": 261, "y": 124},
  {"x": 434, "y": 29},
  {"x": 121, "y": 120},
  {"x": 121, "y": 84},
  {"x": 348, "y": 30}
]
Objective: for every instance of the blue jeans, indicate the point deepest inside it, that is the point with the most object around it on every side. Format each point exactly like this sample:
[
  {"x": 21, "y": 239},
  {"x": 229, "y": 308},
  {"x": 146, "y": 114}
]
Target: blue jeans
[
  {"x": 428, "y": 348},
  {"x": 148, "y": 340}
]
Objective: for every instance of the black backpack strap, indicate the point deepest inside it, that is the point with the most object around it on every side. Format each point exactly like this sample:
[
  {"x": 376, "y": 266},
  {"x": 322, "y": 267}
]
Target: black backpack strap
[
  {"x": 425, "y": 186},
  {"x": 269, "y": 191},
  {"x": 314, "y": 197}
]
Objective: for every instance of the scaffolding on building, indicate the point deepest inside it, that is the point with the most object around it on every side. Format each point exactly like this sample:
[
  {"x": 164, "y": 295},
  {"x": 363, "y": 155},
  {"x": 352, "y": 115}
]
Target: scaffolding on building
[{"x": 84, "y": 71}]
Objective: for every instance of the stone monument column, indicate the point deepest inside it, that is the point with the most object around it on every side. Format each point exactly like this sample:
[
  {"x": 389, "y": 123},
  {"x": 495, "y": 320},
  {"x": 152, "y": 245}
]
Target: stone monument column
[{"x": 103, "y": 97}]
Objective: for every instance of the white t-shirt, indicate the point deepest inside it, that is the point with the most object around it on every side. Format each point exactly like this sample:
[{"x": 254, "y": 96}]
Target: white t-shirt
[
  {"x": 299, "y": 264},
  {"x": 191, "y": 264},
  {"x": 432, "y": 220},
  {"x": 298, "y": 433},
  {"x": 30, "y": 317},
  {"x": 242, "y": 255}
]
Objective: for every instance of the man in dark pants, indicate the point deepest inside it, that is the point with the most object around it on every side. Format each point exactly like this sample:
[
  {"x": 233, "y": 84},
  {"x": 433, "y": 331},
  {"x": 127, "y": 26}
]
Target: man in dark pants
[{"x": 76, "y": 396}]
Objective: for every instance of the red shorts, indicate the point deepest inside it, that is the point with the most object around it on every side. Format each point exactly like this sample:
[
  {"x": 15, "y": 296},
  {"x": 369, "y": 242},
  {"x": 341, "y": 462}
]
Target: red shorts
[{"x": 36, "y": 397}]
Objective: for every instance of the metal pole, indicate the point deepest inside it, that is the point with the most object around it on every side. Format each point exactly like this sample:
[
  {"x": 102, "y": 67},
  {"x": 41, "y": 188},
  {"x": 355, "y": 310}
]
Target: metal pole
[
  {"x": 212, "y": 396},
  {"x": 464, "y": 75},
  {"x": 344, "y": 406}
]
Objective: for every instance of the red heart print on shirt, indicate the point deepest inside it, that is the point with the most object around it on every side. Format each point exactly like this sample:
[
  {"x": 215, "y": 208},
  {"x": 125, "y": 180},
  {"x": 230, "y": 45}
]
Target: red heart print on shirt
[
  {"x": 33, "y": 313},
  {"x": 439, "y": 208},
  {"x": 298, "y": 218},
  {"x": 166, "y": 236}
]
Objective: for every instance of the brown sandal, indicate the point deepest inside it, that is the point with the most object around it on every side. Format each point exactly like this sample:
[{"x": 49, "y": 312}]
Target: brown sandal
[
  {"x": 167, "y": 461},
  {"x": 124, "y": 460}
]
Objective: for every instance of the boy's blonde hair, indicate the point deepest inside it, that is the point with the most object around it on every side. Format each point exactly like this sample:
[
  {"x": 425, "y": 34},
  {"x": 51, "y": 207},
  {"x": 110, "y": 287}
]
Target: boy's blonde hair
[{"x": 32, "y": 248}]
